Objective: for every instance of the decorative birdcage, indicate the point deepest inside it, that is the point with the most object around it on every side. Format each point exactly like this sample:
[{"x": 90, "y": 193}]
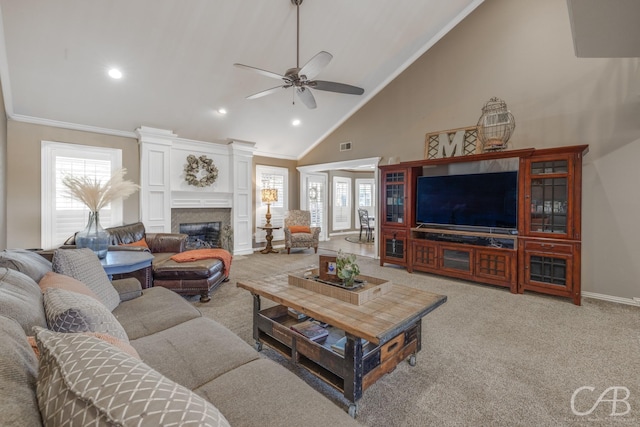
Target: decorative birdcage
[{"x": 495, "y": 126}]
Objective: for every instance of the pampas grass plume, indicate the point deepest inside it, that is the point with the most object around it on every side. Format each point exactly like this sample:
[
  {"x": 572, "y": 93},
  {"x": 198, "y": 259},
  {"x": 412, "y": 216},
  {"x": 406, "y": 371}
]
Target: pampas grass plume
[{"x": 97, "y": 195}]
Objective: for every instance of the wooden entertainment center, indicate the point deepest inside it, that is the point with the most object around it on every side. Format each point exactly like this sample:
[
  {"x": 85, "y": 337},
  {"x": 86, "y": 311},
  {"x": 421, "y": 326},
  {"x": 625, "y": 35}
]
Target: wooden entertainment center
[{"x": 542, "y": 255}]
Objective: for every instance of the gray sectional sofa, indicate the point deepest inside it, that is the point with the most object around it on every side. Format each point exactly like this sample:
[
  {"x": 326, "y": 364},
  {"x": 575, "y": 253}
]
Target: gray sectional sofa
[{"x": 176, "y": 344}]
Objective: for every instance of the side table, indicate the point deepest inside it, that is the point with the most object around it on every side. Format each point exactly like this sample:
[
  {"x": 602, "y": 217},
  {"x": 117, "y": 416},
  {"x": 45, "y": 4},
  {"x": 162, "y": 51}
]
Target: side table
[
  {"x": 119, "y": 262},
  {"x": 269, "y": 237}
]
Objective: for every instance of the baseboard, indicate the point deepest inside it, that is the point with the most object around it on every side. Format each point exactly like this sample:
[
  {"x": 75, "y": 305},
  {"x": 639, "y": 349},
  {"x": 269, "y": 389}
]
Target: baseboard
[{"x": 611, "y": 298}]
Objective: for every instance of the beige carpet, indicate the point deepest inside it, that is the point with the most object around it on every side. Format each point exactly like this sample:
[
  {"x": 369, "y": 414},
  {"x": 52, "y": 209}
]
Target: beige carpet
[{"x": 489, "y": 358}]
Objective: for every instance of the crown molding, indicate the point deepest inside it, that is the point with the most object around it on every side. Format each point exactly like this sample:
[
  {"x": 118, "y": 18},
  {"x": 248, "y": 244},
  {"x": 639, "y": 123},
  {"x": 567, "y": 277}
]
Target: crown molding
[{"x": 71, "y": 126}]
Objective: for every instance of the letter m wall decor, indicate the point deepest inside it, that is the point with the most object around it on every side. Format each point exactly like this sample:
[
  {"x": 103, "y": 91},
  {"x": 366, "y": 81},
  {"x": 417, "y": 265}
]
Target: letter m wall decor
[{"x": 451, "y": 143}]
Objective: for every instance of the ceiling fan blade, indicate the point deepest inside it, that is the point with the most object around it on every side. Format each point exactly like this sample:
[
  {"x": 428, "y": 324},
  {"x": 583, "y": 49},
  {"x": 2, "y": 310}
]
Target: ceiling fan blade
[
  {"x": 315, "y": 65},
  {"x": 260, "y": 71},
  {"x": 306, "y": 97},
  {"x": 266, "y": 92},
  {"x": 336, "y": 87}
]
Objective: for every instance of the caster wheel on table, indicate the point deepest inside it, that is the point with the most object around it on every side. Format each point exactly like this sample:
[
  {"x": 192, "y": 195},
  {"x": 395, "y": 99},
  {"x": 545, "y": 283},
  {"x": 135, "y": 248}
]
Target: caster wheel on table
[
  {"x": 412, "y": 360},
  {"x": 353, "y": 410},
  {"x": 258, "y": 346}
]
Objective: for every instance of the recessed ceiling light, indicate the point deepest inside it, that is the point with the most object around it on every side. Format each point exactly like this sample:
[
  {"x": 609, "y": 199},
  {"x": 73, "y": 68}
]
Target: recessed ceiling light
[
  {"x": 114, "y": 73},
  {"x": 296, "y": 122},
  {"x": 222, "y": 111}
]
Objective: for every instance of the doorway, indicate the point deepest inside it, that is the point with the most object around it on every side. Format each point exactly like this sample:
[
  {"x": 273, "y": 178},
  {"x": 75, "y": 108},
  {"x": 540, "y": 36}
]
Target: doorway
[{"x": 320, "y": 174}]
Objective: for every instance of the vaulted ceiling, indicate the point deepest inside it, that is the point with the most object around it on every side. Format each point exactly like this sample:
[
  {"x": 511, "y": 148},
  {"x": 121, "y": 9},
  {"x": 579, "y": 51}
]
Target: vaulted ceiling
[{"x": 177, "y": 60}]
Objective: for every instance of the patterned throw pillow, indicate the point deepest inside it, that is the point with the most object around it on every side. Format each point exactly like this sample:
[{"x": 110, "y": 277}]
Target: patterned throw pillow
[
  {"x": 127, "y": 348},
  {"x": 72, "y": 312},
  {"x": 84, "y": 265},
  {"x": 68, "y": 283},
  {"x": 84, "y": 381}
]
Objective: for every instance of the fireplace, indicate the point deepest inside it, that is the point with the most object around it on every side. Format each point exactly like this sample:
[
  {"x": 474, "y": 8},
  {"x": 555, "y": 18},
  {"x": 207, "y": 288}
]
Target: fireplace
[
  {"x": 206, "y": 227},
  {"x": 202, "y": 234}
]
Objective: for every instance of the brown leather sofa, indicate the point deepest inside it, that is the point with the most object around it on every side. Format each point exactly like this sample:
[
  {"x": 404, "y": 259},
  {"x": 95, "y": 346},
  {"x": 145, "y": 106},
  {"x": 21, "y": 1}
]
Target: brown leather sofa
[{"x": 186, "y": 278}]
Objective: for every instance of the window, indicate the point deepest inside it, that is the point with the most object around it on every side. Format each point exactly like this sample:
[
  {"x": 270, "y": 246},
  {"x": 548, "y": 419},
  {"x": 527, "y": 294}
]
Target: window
[
  {"x": 278, "y": 178},
  {"x": 61, "y": 215},
  {"x": 341, "y": 203}
]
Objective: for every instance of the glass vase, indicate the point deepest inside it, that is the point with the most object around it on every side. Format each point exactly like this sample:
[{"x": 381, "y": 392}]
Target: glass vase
[{"x": 94, "y": 236}]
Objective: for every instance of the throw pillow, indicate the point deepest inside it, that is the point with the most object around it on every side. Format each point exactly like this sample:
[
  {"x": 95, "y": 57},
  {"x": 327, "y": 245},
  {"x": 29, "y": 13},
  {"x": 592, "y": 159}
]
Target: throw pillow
[
  {"x": 21, "y": 299},
  {"x": 84, "y": 265},
  {"x": 71, "y": 312},
  {"x": 18, "y": 376},
  {"x": 299, "y": 229},
  {"x": 60, "y": 281},
  {"x": 28, "y": 262},
  {"x": 89, "y": 382},
  {"x": 140, "y": 243},
  {"x": 127, "y": 348}
]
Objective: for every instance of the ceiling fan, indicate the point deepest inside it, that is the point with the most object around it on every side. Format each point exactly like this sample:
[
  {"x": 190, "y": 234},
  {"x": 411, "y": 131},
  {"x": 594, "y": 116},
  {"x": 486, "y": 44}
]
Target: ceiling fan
[{"x": 302, "y": 78}]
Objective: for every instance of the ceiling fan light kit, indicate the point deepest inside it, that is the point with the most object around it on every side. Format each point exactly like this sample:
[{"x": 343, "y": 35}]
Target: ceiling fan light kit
[{"x": 302, "y": 78}]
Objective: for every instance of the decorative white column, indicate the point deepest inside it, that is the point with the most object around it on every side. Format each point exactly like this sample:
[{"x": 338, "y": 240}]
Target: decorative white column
[
  {"x": 241, "y": 214},
  {"x": 155, "y": 178}
]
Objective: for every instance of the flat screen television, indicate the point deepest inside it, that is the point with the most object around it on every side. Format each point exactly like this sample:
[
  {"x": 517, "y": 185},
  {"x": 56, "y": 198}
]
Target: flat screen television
[{"x": 486, "y": 200}]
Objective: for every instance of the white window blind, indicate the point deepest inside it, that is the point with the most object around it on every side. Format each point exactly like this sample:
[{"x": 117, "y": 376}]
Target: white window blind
[{"x": 62, "y": 215}]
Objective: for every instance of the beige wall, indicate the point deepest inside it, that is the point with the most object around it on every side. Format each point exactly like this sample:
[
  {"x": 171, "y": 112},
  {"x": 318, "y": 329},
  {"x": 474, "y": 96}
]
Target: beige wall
[
  {"x": 3, "y": 172},
  {"x": 23, "y": 175},
  {"x": 522, "y": 52},
  {"x": 294, "y": 186}
]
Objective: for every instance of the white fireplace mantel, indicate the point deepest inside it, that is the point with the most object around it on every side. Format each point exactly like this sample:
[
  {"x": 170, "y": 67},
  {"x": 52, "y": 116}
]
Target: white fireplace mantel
[{"x": 163, "y": 187}]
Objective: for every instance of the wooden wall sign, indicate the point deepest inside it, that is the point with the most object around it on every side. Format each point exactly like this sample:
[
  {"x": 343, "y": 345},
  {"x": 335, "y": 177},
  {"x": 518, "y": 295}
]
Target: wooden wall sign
[{"x": 452, "y": 143}]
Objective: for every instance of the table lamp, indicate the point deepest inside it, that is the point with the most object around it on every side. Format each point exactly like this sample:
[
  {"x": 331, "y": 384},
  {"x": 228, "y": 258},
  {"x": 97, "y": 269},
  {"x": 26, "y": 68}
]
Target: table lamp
[{"x": 269, "y": 195}]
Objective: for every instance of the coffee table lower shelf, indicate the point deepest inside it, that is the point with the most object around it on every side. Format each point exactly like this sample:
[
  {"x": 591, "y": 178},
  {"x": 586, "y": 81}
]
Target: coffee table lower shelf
[{"x": 359, "y": 368}]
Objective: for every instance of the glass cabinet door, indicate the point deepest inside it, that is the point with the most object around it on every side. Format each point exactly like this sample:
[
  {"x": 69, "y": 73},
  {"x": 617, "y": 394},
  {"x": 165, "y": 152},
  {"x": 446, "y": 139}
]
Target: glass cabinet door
[
  {"x": 549, "y": 196},
  {"x": 394, "y": 197}
]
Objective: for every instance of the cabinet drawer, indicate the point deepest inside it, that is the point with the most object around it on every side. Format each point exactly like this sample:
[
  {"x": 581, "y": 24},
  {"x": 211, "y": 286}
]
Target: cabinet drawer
[
  {"x": 554, "y": 247},
  {"x": 391, "y": 347}
]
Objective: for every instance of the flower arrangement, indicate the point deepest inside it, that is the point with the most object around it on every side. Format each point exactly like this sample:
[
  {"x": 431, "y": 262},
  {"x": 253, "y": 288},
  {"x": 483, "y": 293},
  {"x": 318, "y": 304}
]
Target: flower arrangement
[
  {"x": 347, "y": 268},
  {"x": 97, "y": 195},
  {"x": 197, "y": 164}
]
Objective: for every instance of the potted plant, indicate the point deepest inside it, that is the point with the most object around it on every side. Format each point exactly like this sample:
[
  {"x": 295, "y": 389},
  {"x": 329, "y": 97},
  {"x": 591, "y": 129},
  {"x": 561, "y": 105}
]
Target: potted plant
[{"x": 347, "y": 268}]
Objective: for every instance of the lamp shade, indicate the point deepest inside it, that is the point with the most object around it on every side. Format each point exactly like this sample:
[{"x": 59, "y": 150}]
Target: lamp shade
[{"x": 269, "y": 195}]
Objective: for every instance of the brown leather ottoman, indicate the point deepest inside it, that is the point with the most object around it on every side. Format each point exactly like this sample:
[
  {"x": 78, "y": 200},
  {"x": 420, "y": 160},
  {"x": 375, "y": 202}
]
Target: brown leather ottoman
[{"x": 188, "y": 278}]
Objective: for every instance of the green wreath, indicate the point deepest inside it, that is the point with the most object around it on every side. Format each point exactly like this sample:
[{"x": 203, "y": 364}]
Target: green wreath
[{"x": 195, "y": 165}]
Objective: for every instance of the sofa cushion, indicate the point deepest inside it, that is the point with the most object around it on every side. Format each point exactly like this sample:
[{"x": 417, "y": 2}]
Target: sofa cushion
[
  {"x": 128, "y": 288},
  {"x": 24, "y": 261},
  {"x": 247, "y": 394},
  {"x": 18, "y": 374},
  {"x": 72, "y": 312},
  {"x": 84, "y": 265},
  {"x": 194, "y": 352},
  {"x": 85, "y": 381},
  {"x": 68, "y": 283},
  {"x": 21, "y": 299},
  {"x": 144, "y": 315}
]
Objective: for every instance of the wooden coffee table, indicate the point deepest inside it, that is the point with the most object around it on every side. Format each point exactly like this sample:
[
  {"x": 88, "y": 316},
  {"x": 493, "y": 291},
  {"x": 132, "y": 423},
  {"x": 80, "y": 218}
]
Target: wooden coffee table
[{"x": 391, "y": 323}]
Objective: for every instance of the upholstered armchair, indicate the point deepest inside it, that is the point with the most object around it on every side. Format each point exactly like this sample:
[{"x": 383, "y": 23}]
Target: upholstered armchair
[{"x": 298, "y": 232}]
